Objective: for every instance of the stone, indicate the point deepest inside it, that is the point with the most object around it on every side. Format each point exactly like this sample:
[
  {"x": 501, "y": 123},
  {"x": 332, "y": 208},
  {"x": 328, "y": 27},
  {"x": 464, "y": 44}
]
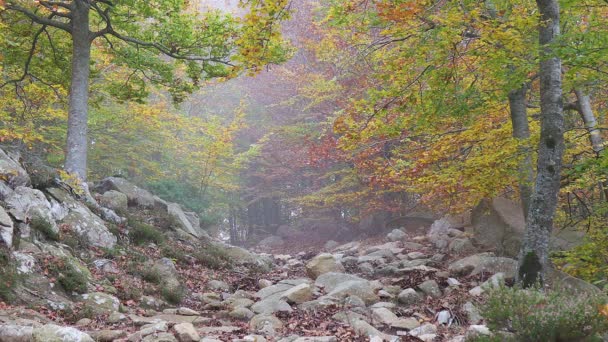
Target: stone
[
  {"x": 183, "y": 223},
  {"x": 25, "y": 204},
  {"x": 316, "y": 339},
  {"x": 443, "y": 317},
  {"x": 476, "y": 291},
  {"x": 262, "y": 283},
  {"x": 405, "y": 323},
  {"x": 329, "y": 281},
  {"x": 241, "y": 313},
  {"x": 474, "y": 331},
  {"x": 11, "y": 171},
  {"x": 416, "y": 255},
  {"x": 160, "y": 337},
  {"x": 461, "y": 246},
  {"x": 6, "y": 228},
  {"x": 494, "y": 281},
  {"x": 427, "y": 337},
  {"x": 83, "y": 322},
  {"x": 396, "y": 235},
  {"x": 473, "y": 314},
  {"x": 361, "y": 289},
  {"x": 90, "y": 228},
  {"x": 218, "y": 285},
  {"x": 271, "y": 304},
  {"x": 384, "y": 316},
  {"x": 484, "y": 262},
  {"x": 100, "y": 303},
  {"x": 116, "y": 317},
  {"x": 424, "y": 329},
  {"x": 259, "y": 322},
  {"x": 499, "y": 224},
  {"x": 409, "y": 297},
  {"x": 55, "y": 333},
  {"x": 185, "y": 332},
  {"x": 298, "y": 294},
  {"x": 271, "y": 242},
  {"x": 330, "y": 245},
  {"x": 241, "y": 256},
  {"x": 168, "y": 274},
  {"x": 430, "y": 288},
  {"x": 323, "y": 263},
  {"x": 15, "y": 333},
  {"x": 114, "y": 200},
  {"x": 26, "y": 263},
  {"x": 137, "y": 197},
  {"x": 107, "y": 335},
  {"x": 453, "y": 282}
]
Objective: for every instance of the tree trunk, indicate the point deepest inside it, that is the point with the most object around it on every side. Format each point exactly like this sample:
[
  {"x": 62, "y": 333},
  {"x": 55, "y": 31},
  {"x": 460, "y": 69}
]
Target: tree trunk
[
  {"x": 595, "y": 136},
  {"x": 521, "y": 131},
  {"x": 534, "y": 254},
  {"x": 76, "y": 149}
]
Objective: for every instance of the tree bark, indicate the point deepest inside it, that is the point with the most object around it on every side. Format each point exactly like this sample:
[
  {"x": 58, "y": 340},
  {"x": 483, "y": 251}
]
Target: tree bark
[
  {"x": 521, "y": 131},
  {"x": 534, "y": 254},
  {"x": 76, "y": 147}
]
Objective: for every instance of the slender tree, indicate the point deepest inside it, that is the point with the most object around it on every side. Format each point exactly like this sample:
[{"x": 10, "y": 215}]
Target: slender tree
[
  {"x": 139, "y": 33},
  {"x": 534, "y": 254}
]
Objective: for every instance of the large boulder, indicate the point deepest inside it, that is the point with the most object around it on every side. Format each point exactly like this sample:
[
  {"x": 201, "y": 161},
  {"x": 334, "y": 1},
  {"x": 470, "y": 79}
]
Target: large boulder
[
  {"x": 137, "y": 196},
  {"x": 6, "y": 228},
  {"x": 11, "y": 171},
  {"x": 25, "y": 204},
  {"x": 242, "y": 256},
  {"x": 183, "y": 222},
  {"x": 272, "y": 242},
  {"x": 323, "y": 263},
  {"x": 114, "y": 200},
  {"x": 15, "y": 333},
  {"x": 329, "y": 281},
  {"x": 55, "y": 333},
  {"x": 89, "y": 227},
  {"x": 486, "y": 263},
  {"x": 361, "y": 289},
  {"x": 100, "y": 303},
  {"x": 499, "y": 224}
]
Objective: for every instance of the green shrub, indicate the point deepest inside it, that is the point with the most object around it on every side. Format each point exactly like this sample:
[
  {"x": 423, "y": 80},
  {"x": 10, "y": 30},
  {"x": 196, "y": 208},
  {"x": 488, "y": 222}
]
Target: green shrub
[
  {"x": 141, "y": 233},
  {"x": 173, "y": 252},
  {"x": 536, "y": 315},
  {"x": 43, "y": 226},
  {"x": 8, "y": 275},
  {"x": 173, "y": 295},
  {"x": 213, "y": 257},
  {"x": 151, "y": 276},
  {"x": 69, "y": 276}
]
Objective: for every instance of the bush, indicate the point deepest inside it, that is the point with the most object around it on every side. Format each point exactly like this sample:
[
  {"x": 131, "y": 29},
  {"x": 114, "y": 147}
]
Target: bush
[
  {"x": 69, "y": 276},
  {"x": 213, "y": 257},
  {"x": 141, "y": 233},
  {"x": 151, "y": 276},
  {"x": 44, "y": 227},
  {"x": 535, "y": 315},
  {"x": 173, "y": 295}
]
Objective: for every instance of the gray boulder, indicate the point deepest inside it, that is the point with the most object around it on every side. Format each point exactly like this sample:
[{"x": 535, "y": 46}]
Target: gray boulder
[
  {"x": 484, "y": 262},
  {"x": 100, "y": 303},
  {"x": 137, "y": 197},
  {"x": 396, "y": 235},
  {"x": 11, "y": 171},
  {"x": 88, "y": 226},
  {"x": 55, "y": 333},
  {"x": 183, "y": 221},
  {"x": 114, "y": 200},
  {"x": 361, "y": 289},
  {"x": 6, "y": 228},
  {"x": 323, "y": 263},
  {"x": 15, "y": 333},
  {"x": 499, "y": 224},
  {"x": 26, "y": 203}
]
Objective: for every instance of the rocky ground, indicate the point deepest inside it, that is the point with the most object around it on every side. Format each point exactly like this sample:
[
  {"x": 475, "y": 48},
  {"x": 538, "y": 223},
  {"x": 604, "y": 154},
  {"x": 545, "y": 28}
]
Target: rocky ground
[{"x": 128, "y": 266}]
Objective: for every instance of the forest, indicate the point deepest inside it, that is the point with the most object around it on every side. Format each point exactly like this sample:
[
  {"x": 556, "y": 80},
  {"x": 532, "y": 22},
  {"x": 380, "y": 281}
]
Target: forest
[{"x": 322, "y": 135}]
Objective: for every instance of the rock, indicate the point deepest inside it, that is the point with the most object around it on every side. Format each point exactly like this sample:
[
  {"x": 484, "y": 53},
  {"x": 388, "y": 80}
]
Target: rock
[
  {"x": 560, "y": 280},
  {"x": 187, "y": 312},
  {"x": 114, "y": 200},
  {"x": 416, "y": 255},
  {"x": 361, "y": 289},
  {"x": 430, "y": 288},
  {"x": 329, "y": 281},
  {"x": 271, "y": 305},
  {"x": 396, "y": 235},
  {"x": 83, "y": 322},
  {"x": 90, "y": 228},
  {"x": 55, "y": 333},
  {"x": 499, "y": 224},
  {"x": 476, "y": 291},
  {"x": 15, "y": 333},
  {"x": 443, "y": 317},
  {"x": 107, "y": 335},
  {"x": 427, "y": 337},
  {"x": 161, "y": 337},
  {"x": 167, "y": 272},
  {"x": 406, "y": 323},
  {"x": 461, "y": 246},
  {"x": 474, "y": 331},
  {"x": 150, "y": 302},
  {"x": 316, "y": 339},
  {"x": 241, "y": 256},
  {"x": 241, "y": 313},
  {"x": 409, "y": 297},
  {"x": 100, "y": 303},
  {"x": 259, "y": 322},
  {"x": 262, "y": 283},
  {"x": 234, "y": 303},
  {"x": 137, "y": 197},
  {"x": 116, "y": 317},
  {"x": 183, "y": 223},
  {"x": 472, "y": 312},
  {"x": 425, "y": 329},
  {"x": 271, "y": 242},
  {"x": 185, "y": 332},
  {"x": 298, "y": 294},
  {"x": 384, "y": 316},
  {"x": 323, "y": 263},
  {"x": 362, "y": 327},
  {"x": 494, "y": 281},
  {"x": 484, "y": 262},
  {"x": 218, "y": 285},
  {"x": 6, "y": 228},
  {"x": 11, "y": 171},
  {"x": 330, "y": 245},
  {"x": 25, "y": 204},
  {"x": 453, "y": 282}
]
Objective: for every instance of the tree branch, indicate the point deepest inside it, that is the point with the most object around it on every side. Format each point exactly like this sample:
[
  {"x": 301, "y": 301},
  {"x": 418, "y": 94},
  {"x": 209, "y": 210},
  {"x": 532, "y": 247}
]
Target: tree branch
[
  {"x": 28, "y": 60},
  {"x": 38, "y": 19}
]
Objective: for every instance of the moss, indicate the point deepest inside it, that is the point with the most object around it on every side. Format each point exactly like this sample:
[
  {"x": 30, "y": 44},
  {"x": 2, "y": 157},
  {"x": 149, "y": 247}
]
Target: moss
[
  {"x": 8, "y": 276},
  {"x": 173, "y": 295},
  {"x": 530, "y": 270},
  {"x": 71, "y": 277},
  {"x": 43, "y": 226},
  {"x": 141, "y": 233}
]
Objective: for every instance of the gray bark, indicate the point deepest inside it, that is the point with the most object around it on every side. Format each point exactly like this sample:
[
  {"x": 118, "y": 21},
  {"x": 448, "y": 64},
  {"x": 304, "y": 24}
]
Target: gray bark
[
  {"x": 76, "y": 148},
  {"x": 521, "y": 131},
  {"x": 534, "y": 254}
]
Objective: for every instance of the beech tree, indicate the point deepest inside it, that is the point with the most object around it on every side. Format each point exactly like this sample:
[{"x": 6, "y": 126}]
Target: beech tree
[{"x": 141, "y": 35}]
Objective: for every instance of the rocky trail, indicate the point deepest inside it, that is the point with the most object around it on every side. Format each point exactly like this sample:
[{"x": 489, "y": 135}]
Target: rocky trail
[{"x": 128, "y": 266}]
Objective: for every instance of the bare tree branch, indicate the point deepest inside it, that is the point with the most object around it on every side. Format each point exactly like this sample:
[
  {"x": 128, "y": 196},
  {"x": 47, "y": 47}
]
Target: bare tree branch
[{"x": 39, "y": 19}]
